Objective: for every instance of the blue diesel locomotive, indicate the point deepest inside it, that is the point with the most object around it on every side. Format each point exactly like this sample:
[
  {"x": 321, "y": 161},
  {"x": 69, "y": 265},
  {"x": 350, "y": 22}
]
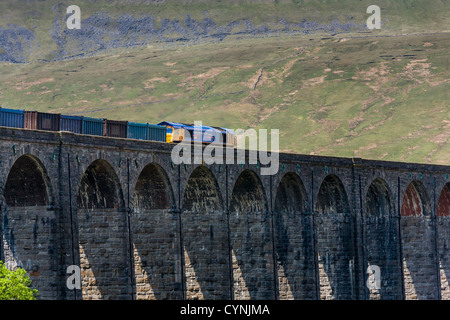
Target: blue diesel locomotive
[{"x": 177, "y": 132}]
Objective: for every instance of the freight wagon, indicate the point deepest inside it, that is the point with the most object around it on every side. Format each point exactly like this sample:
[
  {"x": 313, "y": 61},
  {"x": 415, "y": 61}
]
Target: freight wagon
[
  {"x": 11, "y": 118},
  {"x": 146, "y": 131},
  {"x": 41, "y": 121}
]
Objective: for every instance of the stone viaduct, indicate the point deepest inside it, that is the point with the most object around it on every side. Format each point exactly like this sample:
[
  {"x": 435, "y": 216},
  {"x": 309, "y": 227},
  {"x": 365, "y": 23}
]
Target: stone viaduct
[{"x": 140, "y": 227}]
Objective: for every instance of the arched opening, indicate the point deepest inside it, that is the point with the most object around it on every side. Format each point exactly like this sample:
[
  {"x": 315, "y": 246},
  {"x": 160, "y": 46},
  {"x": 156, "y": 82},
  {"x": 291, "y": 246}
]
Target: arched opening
[
  {"x": 415, "y": 201},
  {"x": 202, "y": 192},
  {"x": 418, "y": 242},
  {"x": 332, "y": 197},
  {"x": 248, "y": 194},
  {"x": 29, "y": 224},
  {"x": 378, "y": 200},
  {"x": 27, "y": 183},
  {"x": 335, "y": 241},
  {"x": 205, "y": 238},
  {"x": 293, "y": 240},
  {"x": 153, "y": 190},
  {"x": 102, "y": 234},
  {"x": 291, "y": 194},
  {"x": 251, "y": 239},
  {"x": 443, "y": 208},
  {"x": 381, "y": 241},
  {"x": 154, "y": 232},
  {"x": 100, "y": 187},
  {"x": 443, "y": 229}
]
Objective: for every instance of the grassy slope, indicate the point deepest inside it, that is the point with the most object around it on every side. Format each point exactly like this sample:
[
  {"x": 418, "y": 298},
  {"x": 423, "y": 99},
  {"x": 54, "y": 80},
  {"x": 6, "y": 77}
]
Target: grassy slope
[{"x": 378, "y": 97}]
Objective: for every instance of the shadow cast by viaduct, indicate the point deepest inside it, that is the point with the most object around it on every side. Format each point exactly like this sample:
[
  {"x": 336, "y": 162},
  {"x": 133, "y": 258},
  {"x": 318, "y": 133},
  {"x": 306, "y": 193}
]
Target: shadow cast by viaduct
[{"x": 141, "y": 227}]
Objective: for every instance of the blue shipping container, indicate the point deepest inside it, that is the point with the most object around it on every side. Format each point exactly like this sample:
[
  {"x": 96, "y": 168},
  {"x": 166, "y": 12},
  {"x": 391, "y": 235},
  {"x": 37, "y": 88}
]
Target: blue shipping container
[
  {"x": 156, "y": 133},
  {"x": 137, "y": 130},
  {"x": 11, "y": 118},
  {"x": 71, "y": 123},
  {"x": 92, "y": 126}
]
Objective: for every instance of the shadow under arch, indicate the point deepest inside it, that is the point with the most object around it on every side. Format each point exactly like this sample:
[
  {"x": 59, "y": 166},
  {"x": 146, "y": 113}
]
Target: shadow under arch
[
  {"x": 153, "y": 189},
  {"x": 443, "y": 207},
  {"x": 443, "y": 217},
  {"x": 251, "y": 239},
  {"x": 381, "y": 245},
  {"x": 293, "y": 240},
  {"x": 100, "y": 187},
  {"x": 27, "y": 183},
  {"x": 102, "y": 234},
  {"x": 205, "y": 238},
  {"x": 154, "y": 233},
  {"x": 30, "y": 237},
  {"x": 418, "y": 244},
  {"x": 335, "y": 238}
]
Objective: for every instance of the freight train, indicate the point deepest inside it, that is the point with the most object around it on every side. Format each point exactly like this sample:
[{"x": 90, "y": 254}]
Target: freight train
[{"x": 170, "y": 132}]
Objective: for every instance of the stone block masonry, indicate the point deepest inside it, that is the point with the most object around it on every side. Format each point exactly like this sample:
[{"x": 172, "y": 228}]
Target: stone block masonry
[{"x": 141, "y": 227}]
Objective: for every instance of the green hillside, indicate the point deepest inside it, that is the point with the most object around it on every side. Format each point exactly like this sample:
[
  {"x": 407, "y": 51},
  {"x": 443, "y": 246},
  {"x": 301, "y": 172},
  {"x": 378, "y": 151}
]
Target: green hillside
[{"x": 308, "y": 68}]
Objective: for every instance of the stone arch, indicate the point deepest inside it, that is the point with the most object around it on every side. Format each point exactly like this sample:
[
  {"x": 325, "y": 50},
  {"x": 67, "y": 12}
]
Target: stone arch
[
  {"x": 205, "y": 238},
  {"x": 332, "y": 197},
  {"x": 154, "y": 228},
  {"x": 202, "y": 191},
  {"x": 27, "y": 183},
  {"x": 381, "y": 240},
  {"x": 153, "y": 189},
  {"x": 251, "y": 239},
  {"x": 100, "y": 187},
  {"x": 418, "y": 244},
  {"x": 248, "y": 193},
  {"x": 443, "y": 229},
  {"x": 293, "y": 240},
  {"x": 415, "y": 201},
  {"x": 335, "y": 241},
  {"x": 443, "y": 207},
  {"x": 291, "y": 194},
  {"x": 379, "y": 202},
  {"x": 102, "y": 234},
  {"x": 30, "y": 225}
]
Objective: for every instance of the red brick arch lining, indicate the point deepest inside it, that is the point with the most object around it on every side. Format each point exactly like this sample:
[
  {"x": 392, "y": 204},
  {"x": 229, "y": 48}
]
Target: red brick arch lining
[
  {"x": 443, "y": 208},
  {"x": 415, "y": 201}
]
